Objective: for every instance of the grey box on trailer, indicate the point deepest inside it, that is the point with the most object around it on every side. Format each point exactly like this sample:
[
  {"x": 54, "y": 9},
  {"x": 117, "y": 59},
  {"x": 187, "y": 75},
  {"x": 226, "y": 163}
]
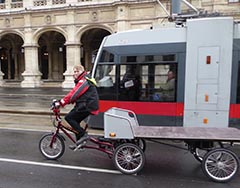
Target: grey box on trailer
[{"x": 118, "y": 123}]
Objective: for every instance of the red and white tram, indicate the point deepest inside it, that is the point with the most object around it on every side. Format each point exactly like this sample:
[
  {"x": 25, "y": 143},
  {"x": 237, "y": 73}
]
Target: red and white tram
[{"x": 187, "y": 75}]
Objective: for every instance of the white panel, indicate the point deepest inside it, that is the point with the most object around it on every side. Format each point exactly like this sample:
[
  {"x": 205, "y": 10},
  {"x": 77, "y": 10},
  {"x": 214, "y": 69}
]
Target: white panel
[
  {"x": 212, "y": 118},
  {"x": 208, "y": 71},
  {"x": 207, "y": 94}
]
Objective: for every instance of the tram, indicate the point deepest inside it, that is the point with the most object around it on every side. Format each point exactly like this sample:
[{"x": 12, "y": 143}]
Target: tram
[{"x": 173, "y": 75}]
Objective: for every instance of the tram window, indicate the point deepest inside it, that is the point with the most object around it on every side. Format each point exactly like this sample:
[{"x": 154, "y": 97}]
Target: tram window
[
  {"x": 165, "y": 83},
  {"x": 158, "y": 82},
  {"x": 105, "y": 78},
  {"x": 106, "y": 56},
  {"x": 148, "y": 78},
  {"x": 130, "y": 83},
  {"x": 148, "y": 82}
]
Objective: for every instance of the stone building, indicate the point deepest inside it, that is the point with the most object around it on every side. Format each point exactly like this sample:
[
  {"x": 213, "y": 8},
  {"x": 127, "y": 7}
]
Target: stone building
[{"x": 41, "y": 40}]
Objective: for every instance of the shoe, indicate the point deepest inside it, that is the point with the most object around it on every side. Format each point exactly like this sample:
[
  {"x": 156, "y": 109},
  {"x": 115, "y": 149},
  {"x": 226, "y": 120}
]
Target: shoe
[
  {"x": 78, "y": 136},
  {"x": 81, "y": 142},
  {"x": 72, "y": 147},
  {"x": 76, "y": 147},
  {"x": 82, "y": 139}
]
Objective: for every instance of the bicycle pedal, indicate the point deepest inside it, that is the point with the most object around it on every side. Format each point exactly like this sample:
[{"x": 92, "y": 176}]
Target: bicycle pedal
[{"x": 81, "y": 149}]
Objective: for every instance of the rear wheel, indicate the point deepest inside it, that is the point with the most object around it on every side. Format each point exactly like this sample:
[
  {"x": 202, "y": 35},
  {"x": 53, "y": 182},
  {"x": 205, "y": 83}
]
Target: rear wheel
[
  {"x": 137, "y": 141},
  {"x": 141, "y": 143},
  {"x": 51, "y": 147},
  {"x": 129, "y": 158},
  {"x": 201, "y": 148},
  {"x": 220, "y": 165}
]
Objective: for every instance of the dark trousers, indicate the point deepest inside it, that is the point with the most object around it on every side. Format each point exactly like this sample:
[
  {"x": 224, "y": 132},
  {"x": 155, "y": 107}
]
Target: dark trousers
[{"x": 74, "y": 118}]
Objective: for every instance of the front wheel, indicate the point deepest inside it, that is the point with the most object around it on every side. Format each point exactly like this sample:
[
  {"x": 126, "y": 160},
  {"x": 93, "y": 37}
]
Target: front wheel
[
  {"x": 129, "y": 158},
  {"x": 220, "y": 165},
  {"x": 52, "y": 147}
]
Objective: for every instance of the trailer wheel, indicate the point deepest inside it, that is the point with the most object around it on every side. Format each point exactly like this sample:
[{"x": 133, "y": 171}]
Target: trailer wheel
[
  {"x": 141, "y": 143},
  {"x": 220, "y": 165},
  {"x": 199, "y": 152},
  {"x": 129, "y": 158}
]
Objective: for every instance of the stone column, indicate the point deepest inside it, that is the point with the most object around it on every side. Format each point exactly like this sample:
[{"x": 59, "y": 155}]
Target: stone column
[
  {"x": 31, "y": 75},
  {"x": 1, "y": 76},
  {"x": 16, "y": 65},
  {"x": 122, "y": 17},
  {"x": 50, "y": 57},
  {"x": 9, "y": 64},
  {"x": 73, "y": 58}
]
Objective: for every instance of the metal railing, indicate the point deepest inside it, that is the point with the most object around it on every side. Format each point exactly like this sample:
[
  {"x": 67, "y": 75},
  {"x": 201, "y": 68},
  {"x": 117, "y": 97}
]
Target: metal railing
[
  {"x": 37, "y": 3},
  {"x": 17, "y": 4},
  {"x": 57, "y": 2}
]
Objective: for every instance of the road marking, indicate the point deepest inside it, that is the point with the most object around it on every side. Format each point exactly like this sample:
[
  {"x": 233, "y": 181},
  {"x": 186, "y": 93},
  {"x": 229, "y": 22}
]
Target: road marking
[
  {"x": 90, "y": 132},
  {"x": 59, "y": 166},
  {"x": 26, "y": 129}
]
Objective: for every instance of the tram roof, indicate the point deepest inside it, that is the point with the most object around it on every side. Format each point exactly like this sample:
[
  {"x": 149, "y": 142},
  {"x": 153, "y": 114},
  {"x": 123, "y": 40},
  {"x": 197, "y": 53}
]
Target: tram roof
[
  {"x": 164, "y": 40},
  {"x": 145, "y": 37}
]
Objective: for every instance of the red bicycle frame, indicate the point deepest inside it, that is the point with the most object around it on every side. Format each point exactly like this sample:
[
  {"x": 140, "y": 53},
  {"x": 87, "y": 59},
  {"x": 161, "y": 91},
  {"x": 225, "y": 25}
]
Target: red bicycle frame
[{"x": 103, "y": 146}]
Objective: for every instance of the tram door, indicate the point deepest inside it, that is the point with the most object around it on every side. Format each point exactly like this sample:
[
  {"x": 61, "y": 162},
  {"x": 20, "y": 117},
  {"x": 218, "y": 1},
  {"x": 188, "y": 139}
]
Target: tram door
[{"x": 208, "y": 72}]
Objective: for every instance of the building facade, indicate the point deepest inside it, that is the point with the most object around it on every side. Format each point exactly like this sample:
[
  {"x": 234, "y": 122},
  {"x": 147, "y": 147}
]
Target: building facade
[{"x": 41, "y": 40}]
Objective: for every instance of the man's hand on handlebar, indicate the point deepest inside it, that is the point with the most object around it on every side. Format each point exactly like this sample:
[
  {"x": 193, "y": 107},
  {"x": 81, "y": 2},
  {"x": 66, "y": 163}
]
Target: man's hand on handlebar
[{"x": 56, "y": 104}]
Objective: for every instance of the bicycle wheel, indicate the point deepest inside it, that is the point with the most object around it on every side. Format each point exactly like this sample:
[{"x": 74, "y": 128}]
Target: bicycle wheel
[
  {"x": 54, "y": 150},
  {"x": 128, "y": 158},
  {"x": 220, "y": 165}
]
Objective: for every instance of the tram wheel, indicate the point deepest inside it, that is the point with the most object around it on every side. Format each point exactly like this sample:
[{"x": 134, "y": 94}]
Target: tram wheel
[
  {"x": 129, "y": 158},
  {"x": 220, "y": 165}
]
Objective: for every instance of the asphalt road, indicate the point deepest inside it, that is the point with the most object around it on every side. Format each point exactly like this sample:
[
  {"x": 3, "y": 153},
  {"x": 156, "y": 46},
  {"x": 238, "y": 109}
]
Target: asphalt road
[{"x": 23, "y": 166}]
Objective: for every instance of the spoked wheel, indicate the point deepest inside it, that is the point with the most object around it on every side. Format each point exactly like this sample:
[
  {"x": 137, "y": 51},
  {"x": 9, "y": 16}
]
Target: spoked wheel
[
  {"x": 129, "y": 158},
  {"x": 141, "y": 143},
  {"x": 51, "y": 148},
  {"x": 137, "y": 141},
  {"x": 199, "y": 152},
  {"x": 220, "y": 165}
]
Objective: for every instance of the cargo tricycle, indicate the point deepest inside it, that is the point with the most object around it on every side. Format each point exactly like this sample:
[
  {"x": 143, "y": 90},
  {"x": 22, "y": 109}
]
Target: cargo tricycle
[{"x": 124, "y": 141}]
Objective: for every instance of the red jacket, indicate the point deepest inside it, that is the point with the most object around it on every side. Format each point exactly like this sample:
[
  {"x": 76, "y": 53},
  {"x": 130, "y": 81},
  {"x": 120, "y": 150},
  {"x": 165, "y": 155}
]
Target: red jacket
[{"x": 84, "y": 95}]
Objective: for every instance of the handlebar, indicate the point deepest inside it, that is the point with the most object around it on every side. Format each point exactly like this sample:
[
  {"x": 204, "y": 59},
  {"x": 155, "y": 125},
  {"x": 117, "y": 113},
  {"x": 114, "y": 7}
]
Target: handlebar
[{"x": 55, "y": 106}]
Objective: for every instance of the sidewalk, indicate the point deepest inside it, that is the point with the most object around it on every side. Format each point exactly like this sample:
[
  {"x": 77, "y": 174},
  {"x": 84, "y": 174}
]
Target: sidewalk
[
  {"x": 29, "y": 108},
  {"x": 30, "y": 100}
]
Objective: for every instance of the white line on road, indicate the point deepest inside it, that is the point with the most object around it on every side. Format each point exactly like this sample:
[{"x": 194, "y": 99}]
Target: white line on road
[
  {"x": 90, "y": 132},
  {"x": 59, "y": 166}
]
